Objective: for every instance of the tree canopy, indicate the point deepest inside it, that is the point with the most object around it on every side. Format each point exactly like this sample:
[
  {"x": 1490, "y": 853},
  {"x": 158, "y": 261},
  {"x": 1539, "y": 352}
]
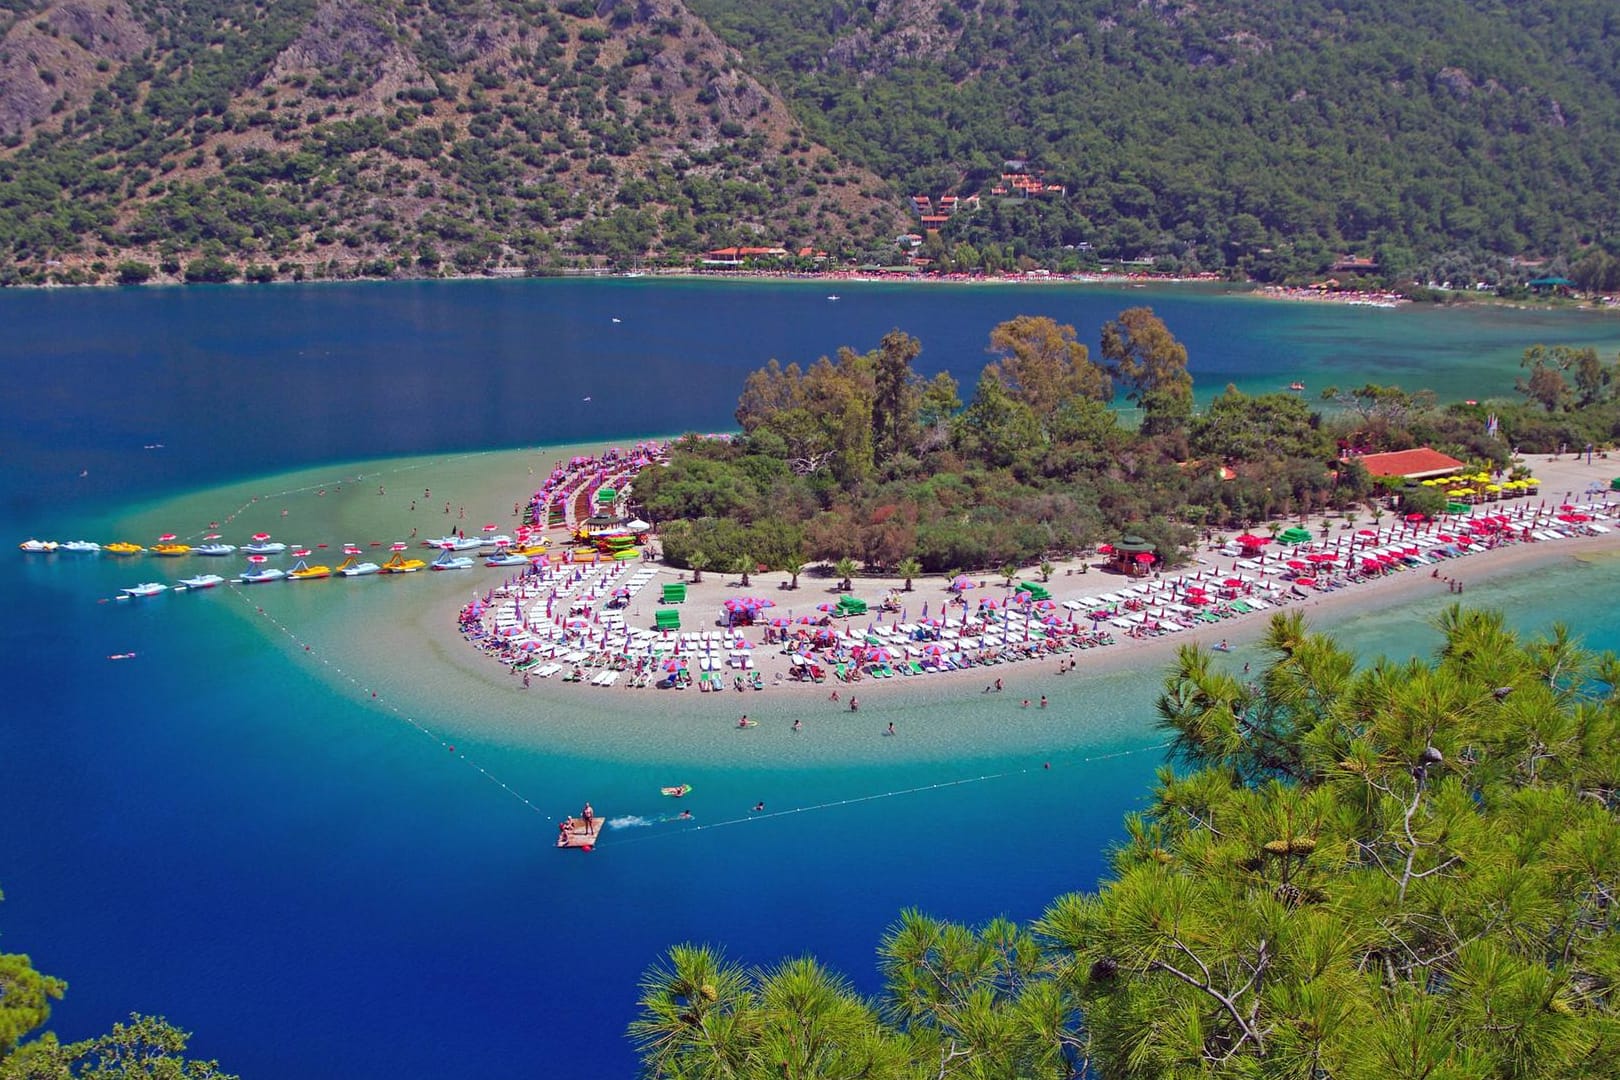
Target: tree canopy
[{"x": 1398, "y": 868}]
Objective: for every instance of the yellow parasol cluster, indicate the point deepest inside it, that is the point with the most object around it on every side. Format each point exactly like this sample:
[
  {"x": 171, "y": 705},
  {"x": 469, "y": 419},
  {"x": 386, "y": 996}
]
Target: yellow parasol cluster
[{"x": 1480, "y": 483}]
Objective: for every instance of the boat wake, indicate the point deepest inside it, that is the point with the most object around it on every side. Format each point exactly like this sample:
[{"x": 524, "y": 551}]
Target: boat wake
[{"x": 631, "y": 821}]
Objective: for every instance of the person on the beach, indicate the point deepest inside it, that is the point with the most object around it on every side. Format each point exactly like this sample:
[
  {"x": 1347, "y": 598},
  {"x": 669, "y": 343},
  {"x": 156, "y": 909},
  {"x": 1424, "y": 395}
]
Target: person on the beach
[
  {"x": 833, "y": 696},
  {"x": 891, "y": 728},
  {"x": 854, "y": 704},
  {"x": 998, "y": 686}
]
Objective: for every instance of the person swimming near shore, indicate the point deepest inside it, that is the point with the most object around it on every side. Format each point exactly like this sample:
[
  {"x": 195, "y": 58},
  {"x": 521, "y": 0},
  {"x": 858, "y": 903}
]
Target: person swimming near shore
[{"x": 759, "y": 807}]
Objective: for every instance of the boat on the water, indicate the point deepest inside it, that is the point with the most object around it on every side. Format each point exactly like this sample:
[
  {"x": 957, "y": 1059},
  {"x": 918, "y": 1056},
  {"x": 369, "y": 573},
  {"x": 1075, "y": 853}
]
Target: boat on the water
[
  {"x": 449, "y": 561},
  {"x": 455, "y": 543},
  {"x": 38, "y": 546},
  {"x": 122, "y": 547},
  {"x": 201, "y": 581},
  {"x": 399, "y": 564},
  {"x": 1297, "y": 387},
  {"x": 145, "y": 588},
  {"x": 506, "y": 558},
  {"x": 675, "y": 792},
  {"x": 353, "y": 567},
  {"x": 82, "y": 547},
  {"x": 214, "y": 549},
  {"x": 305, "y": 572},
  {"x": 264, "y": 547},
  {"x": 260, "y": 574},
  {"x": 171, "y": 551}
]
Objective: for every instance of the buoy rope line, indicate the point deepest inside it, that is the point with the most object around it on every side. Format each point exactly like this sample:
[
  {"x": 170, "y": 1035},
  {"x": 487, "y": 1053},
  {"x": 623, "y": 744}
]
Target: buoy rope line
[
  {"x": 855, "y": 800},
  {"x": 388, "y": 706}
]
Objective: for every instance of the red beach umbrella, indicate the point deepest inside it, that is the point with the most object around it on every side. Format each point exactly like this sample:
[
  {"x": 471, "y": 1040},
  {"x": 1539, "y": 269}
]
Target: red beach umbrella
[
  {"x": 166, "y": 538},
  {"x": 257, "y": 558},
  {"x": 261, "y": 537}
]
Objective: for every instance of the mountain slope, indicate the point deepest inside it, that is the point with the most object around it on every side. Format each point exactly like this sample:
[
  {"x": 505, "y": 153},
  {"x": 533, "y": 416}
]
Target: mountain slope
[
  {"x": 331, "y": 137},
  {"x": 1267, "y": 134}
]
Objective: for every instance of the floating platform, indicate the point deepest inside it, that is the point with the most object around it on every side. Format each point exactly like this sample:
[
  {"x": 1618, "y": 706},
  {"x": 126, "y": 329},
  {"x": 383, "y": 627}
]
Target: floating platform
[{"x": 579, "y": 834}]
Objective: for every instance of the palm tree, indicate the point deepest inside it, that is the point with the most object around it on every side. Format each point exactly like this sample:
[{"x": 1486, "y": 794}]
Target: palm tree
[
  {"x": 744, "y": 565},
  {"x": 1326, "y": 528},
  {"x": 1046, "y": 569},
  {"x": 908, "y": 568},
  {"x": 845, "y": 569},
  {"x": 1010, "y": 572},
  {"x": 1274, "y": 527},
  {"x": 791, "y": 565},
  {"x": 699, "y": 562}
]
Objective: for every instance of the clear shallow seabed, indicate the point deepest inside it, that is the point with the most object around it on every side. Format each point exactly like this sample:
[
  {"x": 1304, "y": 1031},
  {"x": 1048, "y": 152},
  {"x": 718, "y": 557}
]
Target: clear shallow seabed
[{"x": 228, "y": 830}]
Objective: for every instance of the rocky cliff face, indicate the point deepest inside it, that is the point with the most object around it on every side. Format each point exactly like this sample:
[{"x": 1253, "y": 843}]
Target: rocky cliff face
[{"x": 58, "y": 57}]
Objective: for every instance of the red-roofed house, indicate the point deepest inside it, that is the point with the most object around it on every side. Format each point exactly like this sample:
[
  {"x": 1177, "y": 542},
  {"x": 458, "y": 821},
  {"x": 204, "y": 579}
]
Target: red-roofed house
[{"x": 1419, "y": 464}]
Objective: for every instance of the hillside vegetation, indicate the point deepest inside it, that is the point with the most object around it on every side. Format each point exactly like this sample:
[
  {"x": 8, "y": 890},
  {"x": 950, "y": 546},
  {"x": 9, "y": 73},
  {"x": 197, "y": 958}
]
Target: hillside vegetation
[
  {"x": 1267, "y": 135},
  {"x": 206, "y": 139},
  {"x": 379, "y": 136}
]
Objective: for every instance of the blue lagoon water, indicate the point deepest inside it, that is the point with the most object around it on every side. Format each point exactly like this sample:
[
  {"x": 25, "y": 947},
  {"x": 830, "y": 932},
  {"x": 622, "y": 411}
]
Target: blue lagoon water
[{"x": 227, "y": 832}]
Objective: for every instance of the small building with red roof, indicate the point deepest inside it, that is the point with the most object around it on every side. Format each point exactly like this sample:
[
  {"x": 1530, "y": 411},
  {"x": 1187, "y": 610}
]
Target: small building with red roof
[{"x": 1419, "y": 464}]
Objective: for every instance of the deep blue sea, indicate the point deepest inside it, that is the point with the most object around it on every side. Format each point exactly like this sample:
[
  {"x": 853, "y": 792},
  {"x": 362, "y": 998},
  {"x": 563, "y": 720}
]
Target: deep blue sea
[{"x": 218, "y": 833}]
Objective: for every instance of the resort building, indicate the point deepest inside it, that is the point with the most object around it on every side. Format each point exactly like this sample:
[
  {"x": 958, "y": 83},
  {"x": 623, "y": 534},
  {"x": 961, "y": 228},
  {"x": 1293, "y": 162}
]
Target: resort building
[{"x": 1419, "y": 464}]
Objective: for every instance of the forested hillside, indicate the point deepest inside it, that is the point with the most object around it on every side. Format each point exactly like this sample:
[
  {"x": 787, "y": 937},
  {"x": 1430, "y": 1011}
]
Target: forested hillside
[
  {"x": 215, "y": 137},
  {"x": 206, "y": 139},
  {"x": 1271, "y": 135}
]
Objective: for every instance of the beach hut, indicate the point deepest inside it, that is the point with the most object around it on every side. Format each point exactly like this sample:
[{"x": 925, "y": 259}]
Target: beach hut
[{"x": 1127, "y": 550}]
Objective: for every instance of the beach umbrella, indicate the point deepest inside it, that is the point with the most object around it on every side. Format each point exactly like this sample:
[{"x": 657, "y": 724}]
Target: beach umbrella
[
  {"x": 1307, "y": 581},
  {"x": 1414, "y": 518},
  {"x": 1370, "y": 534},
  {"x": 167, "y": 538},
  {"x": 1234, "y": 583},
  {"x": 827, "y": 607},
  {"x": 1145, "y": 557},
  {"x": 261, "y": 537},
  {"x": 1298, "y": 564},
  {"x": 258, "y": 558},
  {"x": 490, "y": 526},
  {"x": 299, "y": 553}
]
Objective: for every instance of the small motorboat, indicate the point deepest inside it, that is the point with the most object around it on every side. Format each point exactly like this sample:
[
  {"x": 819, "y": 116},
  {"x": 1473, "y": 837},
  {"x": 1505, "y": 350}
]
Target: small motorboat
[
  {"x": 1297, "y": 387},
  {"x": 260, "y": 574},
  {"x": 507, "y": 558},
  {"x": 264, "y": 547},
  {"x": 38, "y": 547},
  {"x": 145, "y": 588},
  {"x": 82, "y": 547},
  {"x": 214, "y": 549},
  {"x": 448, "y": 561},
  {"x": 171, "y": 551},
  {"x": 122, "y": 547},
  {"x": 305, "y": 572},
  {"x": 201, "y": 581},
  {"x": 675, "y": 792},
  {"x": 455, "y": 543}
]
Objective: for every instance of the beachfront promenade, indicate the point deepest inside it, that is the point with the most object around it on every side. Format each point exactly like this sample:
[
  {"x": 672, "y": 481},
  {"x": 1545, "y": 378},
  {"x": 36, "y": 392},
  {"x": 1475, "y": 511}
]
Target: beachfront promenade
[{"x": 593, "y": 625}]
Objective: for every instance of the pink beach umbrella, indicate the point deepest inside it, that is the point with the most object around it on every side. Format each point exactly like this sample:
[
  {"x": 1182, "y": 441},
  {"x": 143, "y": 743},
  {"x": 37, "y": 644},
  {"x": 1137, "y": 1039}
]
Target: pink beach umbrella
[
  {"x": 257, "y": 558},
  {"x": 261, "y": 537},
  {"x": 166, "y": 538}
]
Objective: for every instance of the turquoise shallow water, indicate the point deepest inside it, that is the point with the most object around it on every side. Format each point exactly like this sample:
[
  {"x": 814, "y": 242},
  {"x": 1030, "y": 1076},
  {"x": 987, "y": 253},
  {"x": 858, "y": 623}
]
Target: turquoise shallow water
[{"x": 229, "y": 832}]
